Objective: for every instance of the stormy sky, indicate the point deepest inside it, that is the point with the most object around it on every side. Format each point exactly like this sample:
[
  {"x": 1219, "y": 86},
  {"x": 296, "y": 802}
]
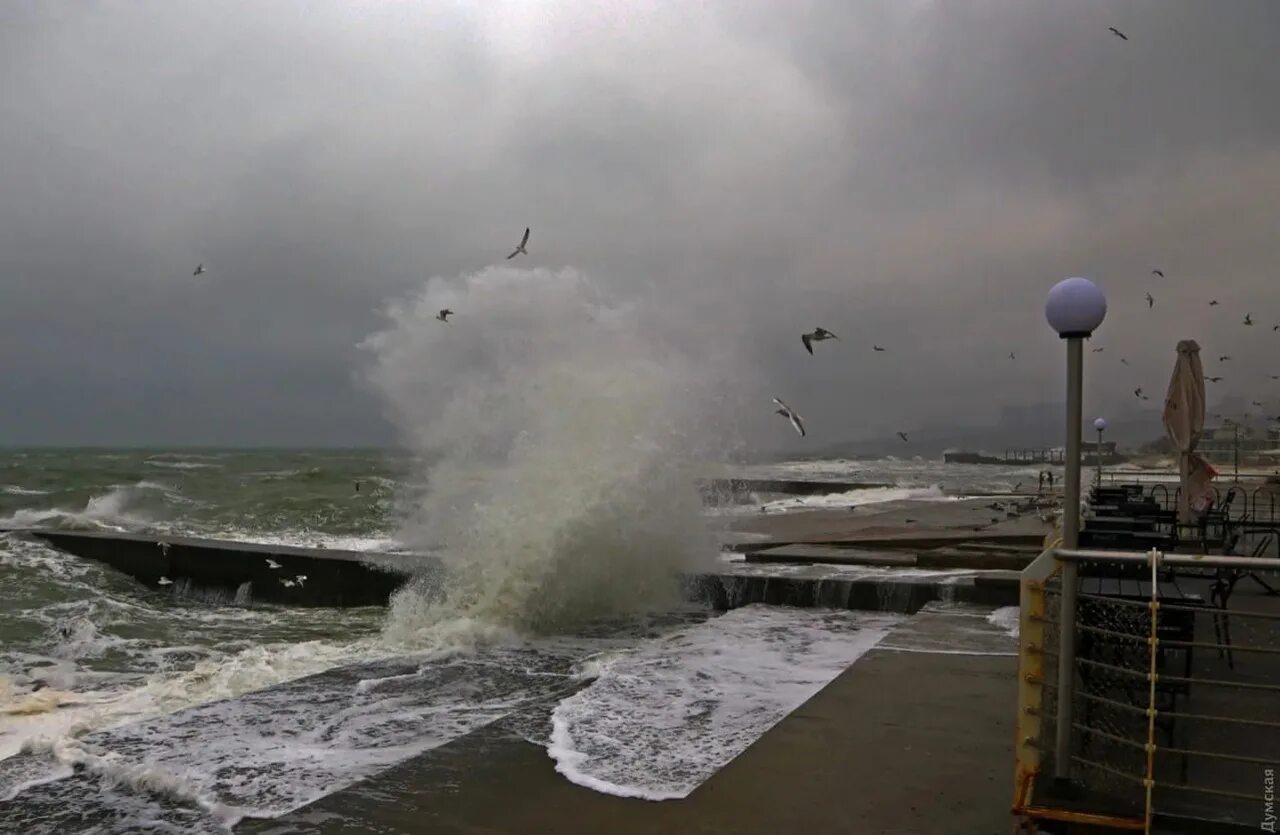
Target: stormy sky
[{"x": 906, "y": 173}]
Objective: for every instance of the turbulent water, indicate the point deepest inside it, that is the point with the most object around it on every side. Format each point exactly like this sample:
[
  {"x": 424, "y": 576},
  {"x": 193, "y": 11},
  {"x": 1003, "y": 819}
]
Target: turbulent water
[
  {"x": 114, "y": 698},
  {"x": 550, "y": 456}
]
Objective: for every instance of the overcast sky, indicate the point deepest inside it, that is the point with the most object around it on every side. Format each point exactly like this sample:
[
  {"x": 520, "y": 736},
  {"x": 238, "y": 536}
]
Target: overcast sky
[{"x": 906, "y": 173}]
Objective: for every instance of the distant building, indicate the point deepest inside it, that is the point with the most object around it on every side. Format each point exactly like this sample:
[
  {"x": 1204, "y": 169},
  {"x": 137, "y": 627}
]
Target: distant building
[
  {"x": 1220, "y": 443},
  {"x": 1110, "y": 455}
]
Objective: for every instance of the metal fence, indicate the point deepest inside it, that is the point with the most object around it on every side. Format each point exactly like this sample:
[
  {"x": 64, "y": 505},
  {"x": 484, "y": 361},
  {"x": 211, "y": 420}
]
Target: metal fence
[
  {"x": 1252, "y": 501},
  {"x": 1168, "y": 718}
]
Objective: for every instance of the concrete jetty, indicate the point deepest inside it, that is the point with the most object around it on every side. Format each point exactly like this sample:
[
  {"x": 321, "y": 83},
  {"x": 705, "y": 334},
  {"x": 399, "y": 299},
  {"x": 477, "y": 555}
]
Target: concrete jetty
[{"x": 240, "y": 570}]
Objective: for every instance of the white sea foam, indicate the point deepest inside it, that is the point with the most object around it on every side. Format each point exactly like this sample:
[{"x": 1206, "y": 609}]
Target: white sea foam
[
  {"x": 179, "y": 465},
  {"x": 660, "y": 720},
  {"x": 17, "y": 490},
  {"x": 316, "y": 539},
  {"x": 862, "y": 498},
  {"x": 1007, "y": 618},
  {"x": 565, "y": 443},
  {"x": 105, "y": 512}
]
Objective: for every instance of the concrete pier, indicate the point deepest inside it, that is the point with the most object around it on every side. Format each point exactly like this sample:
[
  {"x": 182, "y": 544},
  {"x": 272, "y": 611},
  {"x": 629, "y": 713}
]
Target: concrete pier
[{"x": 242, "y": 571}]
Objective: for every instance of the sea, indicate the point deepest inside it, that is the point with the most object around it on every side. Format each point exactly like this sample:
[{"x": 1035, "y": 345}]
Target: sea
[{"x": 125, "y": 708}]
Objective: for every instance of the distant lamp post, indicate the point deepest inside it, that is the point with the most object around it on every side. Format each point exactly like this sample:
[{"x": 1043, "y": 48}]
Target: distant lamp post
[
  {"x": 1100, "y": 424},
  {"x": 1075, "y": 309}
]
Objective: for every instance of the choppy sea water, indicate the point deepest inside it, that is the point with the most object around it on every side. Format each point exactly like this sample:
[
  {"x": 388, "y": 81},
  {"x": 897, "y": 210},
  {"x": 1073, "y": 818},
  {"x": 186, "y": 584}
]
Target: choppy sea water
[{"x": 126, "y": 708}]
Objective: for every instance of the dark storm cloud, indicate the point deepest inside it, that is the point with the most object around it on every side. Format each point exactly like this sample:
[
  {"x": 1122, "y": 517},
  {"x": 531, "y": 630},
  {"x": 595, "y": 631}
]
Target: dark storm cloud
[{"x": 912, "y": 174}]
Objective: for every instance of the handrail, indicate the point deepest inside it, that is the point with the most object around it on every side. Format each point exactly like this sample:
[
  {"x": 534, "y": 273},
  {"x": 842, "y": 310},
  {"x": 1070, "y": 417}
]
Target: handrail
[{"x": 1082, "y": 555}]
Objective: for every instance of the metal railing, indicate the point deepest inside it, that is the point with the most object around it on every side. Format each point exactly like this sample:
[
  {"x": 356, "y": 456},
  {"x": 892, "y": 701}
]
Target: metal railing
[
  {"x": 1147, "y": 692},
  {"x": 1260, "y": 503}
]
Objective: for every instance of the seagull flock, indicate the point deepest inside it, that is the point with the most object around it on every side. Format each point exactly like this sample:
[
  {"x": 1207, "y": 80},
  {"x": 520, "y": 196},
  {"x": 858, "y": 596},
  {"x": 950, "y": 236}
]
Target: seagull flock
[
  {"x": 820, "y": 334},
  {"x": 1223, "y": 358}
]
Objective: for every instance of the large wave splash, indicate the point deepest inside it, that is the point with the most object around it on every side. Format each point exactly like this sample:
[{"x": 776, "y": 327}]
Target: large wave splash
[{"x": 561, "y": 446}]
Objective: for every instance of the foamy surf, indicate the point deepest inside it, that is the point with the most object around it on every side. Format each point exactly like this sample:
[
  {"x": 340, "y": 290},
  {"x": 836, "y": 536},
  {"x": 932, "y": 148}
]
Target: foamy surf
[
  {"x": 563, "y": 444},
  {"x": 863, "y": 498},
  {"x": 106, "y": 511},
  {"x": 18, "y": 490},
  {"x": 1007, "y": 618},
  {"x": 660, "y": 720}
]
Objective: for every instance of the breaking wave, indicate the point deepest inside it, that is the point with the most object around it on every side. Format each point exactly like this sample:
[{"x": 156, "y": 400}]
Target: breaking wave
[
  {"x": 110, "y": 511},
  {"x": 564, "y": 446}
]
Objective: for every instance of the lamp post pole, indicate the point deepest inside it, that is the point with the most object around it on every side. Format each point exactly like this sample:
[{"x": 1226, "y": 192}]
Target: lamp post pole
[
  {"x": 1076, "y": 307},
  {"x": 1101, "y": 425},
  {"x": 1235, "y": 446}
]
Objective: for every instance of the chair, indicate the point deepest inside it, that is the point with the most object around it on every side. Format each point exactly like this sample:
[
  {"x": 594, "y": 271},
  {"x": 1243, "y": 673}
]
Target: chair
[{"x": 1224, "y": 585}]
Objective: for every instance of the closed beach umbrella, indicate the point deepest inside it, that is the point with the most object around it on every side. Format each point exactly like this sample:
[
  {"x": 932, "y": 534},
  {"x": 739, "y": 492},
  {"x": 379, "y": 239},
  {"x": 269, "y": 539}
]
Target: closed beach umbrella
[{"x": 1184, "y": 423}]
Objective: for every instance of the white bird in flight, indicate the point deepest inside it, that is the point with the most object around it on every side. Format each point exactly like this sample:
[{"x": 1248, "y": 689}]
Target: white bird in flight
[
  {"x": 272, "y": 564},
  {"x": 288, "y": 584},
  {"x": 790, "y": 414},
  {"x": 300, "y": 579},
  {"x": 200, "y": 270},
  {"x": 444, "y": 315},
  {"x": 520, "y": 250},
  {"x": 165, "y": 581}
]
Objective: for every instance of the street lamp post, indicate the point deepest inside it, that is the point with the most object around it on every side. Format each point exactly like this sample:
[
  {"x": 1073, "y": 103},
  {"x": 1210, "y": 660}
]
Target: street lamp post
[
  {"x": 1075, "y": 309},
  {"x": 1100, "y": 424}
]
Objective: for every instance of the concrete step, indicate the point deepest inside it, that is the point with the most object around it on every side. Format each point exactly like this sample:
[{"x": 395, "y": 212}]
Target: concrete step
[{"x": 832, "y": 554}]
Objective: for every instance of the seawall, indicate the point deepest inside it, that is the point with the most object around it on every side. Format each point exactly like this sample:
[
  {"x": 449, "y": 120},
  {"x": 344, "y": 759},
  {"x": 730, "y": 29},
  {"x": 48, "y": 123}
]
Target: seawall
[{"x": 270, "y": 574}]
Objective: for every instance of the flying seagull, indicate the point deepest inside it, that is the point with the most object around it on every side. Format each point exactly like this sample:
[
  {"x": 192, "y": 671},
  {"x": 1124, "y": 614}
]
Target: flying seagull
[
  {"x": 818, "y": 335},
  {"x": 903, "y": 436},
  {"x": 288, "y": 584},
  {"x": 1137, "y": 392},
  {"x": 165, "y": 581},
  {"x": 444, "y": 315},
  {"x": 1248, "y": 319},
  {"x": 272, "y": 564},
  {"x": 200, "y": 270},
  {"x": 1099, "y": 350},
  {"x": 1223, "y": 358},
  {"x": 1274, "y": 376},
  {"x": 1213, "y": 379},
  {"x": 1011, "y": 356},
  {"x": 520, "y": 250},
  {"x": 1213, "y": 303},
  {"x": 787, "y": 412},
  {"x": 1157, "y": 272},
  {"x": 1124, "y": 361},
  {"x": 300, "y": 579},
  {"x": 1275, "y": 328},
  {"x": 1256, "y": 403},
  {"x": 1121, "y": 35},
  {"x": 1151, "y": 302},
  {"x": 877, "y": 348}
]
